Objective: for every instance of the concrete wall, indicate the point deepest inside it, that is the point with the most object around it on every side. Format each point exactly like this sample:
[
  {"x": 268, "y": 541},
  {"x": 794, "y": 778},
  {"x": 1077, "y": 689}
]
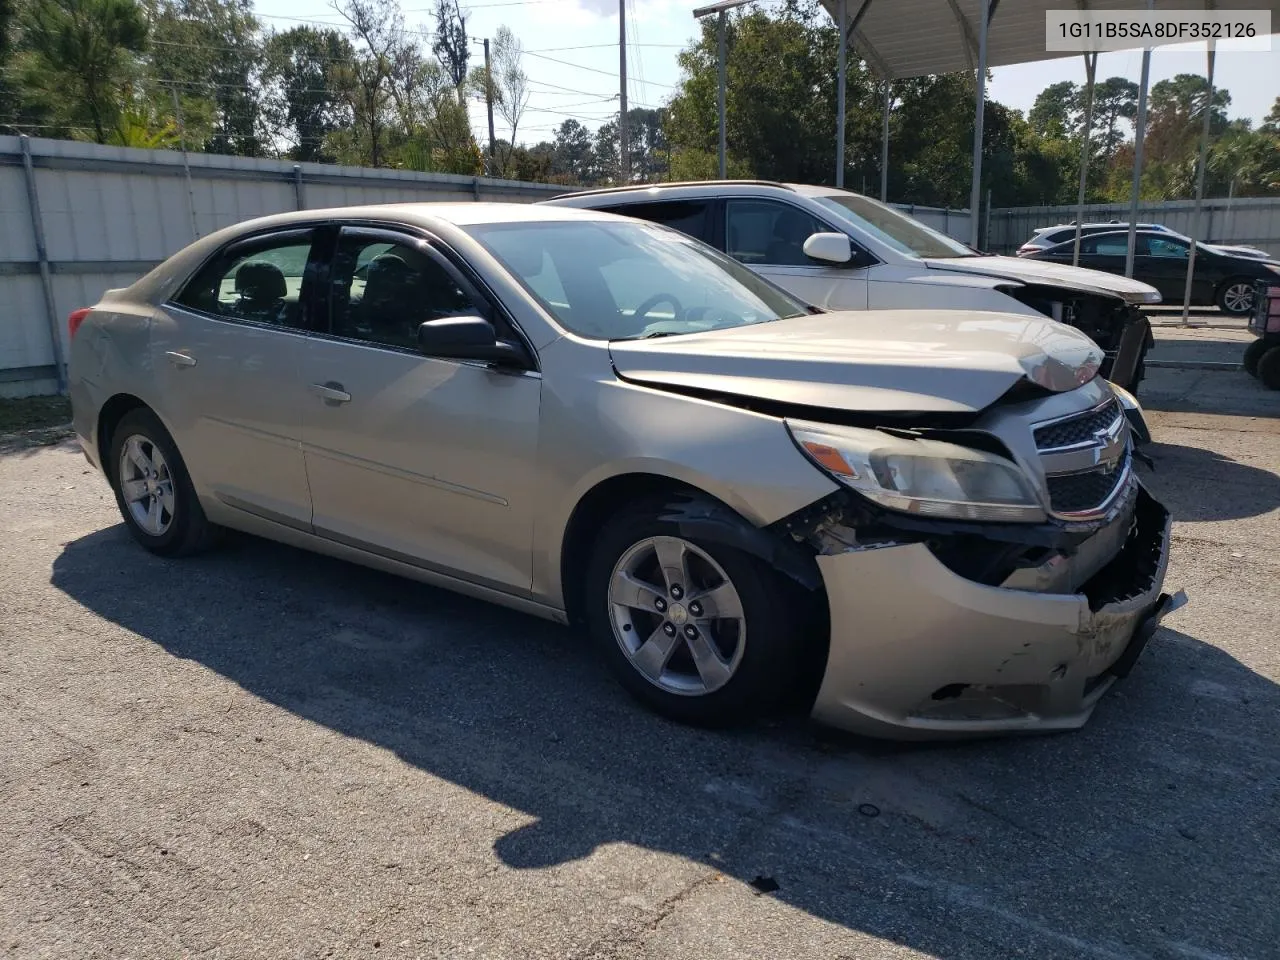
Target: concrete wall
[
  {"x": 1254, "y": 221},
  {"x": 110, "y": 214}
]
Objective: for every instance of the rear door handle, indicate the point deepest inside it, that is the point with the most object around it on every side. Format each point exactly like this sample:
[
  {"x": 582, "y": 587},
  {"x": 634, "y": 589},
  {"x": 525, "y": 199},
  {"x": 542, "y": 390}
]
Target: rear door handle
[
  {"x": 180, "y": 359},
  {"x": 331, "y": 392}
]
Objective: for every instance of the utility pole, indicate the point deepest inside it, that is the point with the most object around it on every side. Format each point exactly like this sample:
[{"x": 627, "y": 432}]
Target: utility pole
[
  {"x": 624, "y": 159},
  {"x": 488, "y": 102}
]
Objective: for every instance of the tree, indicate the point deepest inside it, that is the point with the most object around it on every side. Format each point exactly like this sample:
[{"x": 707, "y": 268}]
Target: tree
[
  {"x": 1115, "y": 99},
  {"x": 211, "y": 52},
  {"x": 367, "y": 81},
  {"x": 79, "y": 53},
  {"x": 1054, "y": 113},
  {"x": 509, "y": 82},
  {"x": 301, "y": 100},
  {"x": 573, "y": 154},
  {"x": 1272, "y": 122},
  {"x": 1176, "y": 114},
  {"x": 450, "y": 45}
]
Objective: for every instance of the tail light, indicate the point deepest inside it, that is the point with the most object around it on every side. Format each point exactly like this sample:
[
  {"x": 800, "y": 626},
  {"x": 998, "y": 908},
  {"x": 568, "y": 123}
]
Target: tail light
[{"x": 75, "y": 319}]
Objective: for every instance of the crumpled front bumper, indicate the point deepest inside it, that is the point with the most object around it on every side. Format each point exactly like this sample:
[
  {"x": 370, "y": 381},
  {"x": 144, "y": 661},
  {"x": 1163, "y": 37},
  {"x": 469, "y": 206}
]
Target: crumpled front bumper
[{"x": 919, "y": 652}]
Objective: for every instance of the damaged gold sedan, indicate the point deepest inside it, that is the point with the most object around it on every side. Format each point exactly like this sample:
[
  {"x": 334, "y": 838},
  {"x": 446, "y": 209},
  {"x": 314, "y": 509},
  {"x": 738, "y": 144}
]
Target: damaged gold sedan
[{"x": 925, "y": 523}]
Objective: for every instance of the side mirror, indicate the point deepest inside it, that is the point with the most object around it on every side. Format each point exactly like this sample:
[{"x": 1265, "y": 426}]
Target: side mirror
[
  {"x": 466, "y": 338},
  {"x": 829, "y": 247}
]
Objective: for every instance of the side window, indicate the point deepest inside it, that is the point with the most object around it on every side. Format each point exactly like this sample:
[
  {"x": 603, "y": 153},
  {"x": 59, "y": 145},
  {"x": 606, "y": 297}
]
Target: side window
[
  {"x": 688, "y": 216},
  {"x": 383, "y": 290},
  {"x": 260, "y": 281},
  {"x": 767, "y": 232},
  {"x": 1105, "y": 246},
  {"x": 1162, "y": 247}
]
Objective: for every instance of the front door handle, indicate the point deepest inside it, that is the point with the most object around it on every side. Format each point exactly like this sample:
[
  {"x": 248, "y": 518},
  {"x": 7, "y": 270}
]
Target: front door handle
[
  {"x": 331, "y": 393},
  {"x": 180, "y": 359}
]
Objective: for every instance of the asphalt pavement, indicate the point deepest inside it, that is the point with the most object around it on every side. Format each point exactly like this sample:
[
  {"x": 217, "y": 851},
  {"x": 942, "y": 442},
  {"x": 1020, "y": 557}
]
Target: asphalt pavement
[{"x": 264, "y": 753}]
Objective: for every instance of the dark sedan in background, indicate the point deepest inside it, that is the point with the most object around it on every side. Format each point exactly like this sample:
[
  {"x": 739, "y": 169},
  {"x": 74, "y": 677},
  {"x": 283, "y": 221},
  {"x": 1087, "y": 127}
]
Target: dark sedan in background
[{"x": 1160, "y": 259}]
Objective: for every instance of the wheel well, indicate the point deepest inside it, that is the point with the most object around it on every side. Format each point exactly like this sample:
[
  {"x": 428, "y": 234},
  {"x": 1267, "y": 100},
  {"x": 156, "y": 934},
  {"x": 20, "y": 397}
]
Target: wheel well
[
  {"x": 112, "y": 413},
  {"x": 592, "y": 511}
]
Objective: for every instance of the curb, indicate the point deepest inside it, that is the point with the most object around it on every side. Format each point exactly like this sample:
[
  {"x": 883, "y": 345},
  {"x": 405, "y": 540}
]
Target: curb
[{"x": 1194, "y": 365}]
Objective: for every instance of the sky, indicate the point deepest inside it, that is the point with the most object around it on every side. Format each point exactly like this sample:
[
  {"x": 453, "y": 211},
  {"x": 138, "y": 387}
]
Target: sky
[{"x": 571, "y": 58}]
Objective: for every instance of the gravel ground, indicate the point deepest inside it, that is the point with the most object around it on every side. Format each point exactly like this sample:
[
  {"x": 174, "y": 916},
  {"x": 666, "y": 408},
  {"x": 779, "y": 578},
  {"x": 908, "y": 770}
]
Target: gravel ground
[{"x": 263, "y": 753}]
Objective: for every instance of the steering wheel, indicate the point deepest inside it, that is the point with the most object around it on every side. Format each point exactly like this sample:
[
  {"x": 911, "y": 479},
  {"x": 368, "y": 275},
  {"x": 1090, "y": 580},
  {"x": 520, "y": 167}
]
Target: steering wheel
[{"x": 656, "y": 299}]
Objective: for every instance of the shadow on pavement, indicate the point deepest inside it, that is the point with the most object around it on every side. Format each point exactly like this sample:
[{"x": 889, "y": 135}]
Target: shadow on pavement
[
  {"x": 1150, "y": 832},
  {"x": 1184, "y": 477}
]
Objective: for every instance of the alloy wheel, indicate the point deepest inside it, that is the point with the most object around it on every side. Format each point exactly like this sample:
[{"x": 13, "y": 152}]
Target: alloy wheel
[
  {"x": 677, "y": 616},
  {"x": 146, "y": 485},
  {"x": 1238, "y": 298}
]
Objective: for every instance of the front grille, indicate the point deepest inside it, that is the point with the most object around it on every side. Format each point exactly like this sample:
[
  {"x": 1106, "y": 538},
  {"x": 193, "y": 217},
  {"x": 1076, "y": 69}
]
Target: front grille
[
  {"x": 1078, "y": 429},
  {"x": 1084, "y": 492}
]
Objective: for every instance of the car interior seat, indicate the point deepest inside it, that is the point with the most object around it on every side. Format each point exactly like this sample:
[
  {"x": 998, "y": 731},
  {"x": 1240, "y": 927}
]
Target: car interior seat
[{"x": 260, "y": 291}]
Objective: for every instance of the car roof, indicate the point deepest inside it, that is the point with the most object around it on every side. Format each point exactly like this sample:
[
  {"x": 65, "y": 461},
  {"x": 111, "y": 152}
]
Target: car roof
[
  {"x": 426, "y": 214},
  {"x": 638, "y": 193}
]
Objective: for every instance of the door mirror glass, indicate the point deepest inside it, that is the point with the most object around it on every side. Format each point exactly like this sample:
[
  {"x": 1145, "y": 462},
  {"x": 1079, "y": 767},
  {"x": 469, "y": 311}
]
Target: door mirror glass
[
  {"x": 466, "y": 338},
  {"x": 829, "y": 247}
]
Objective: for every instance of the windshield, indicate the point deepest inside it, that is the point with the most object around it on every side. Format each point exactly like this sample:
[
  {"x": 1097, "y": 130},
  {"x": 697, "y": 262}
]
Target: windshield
[
  {"x": 622, "y": 280},
  {"x": 904, "y": 234}
]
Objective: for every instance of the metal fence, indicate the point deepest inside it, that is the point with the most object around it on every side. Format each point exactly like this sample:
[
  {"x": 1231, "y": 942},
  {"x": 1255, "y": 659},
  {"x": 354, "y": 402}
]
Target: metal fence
[
  {"x": 78, "y": 218},
  {"x": 1254, "y": 221}
]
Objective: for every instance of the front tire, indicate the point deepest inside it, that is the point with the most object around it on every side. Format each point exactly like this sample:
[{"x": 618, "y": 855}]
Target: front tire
[
  {"x": 1253, "y": 353},
  {"x": 153, "y": 489},
  {"x": 699, "y": 632},
  {"x": 1235, "y": 296},
  {"x": 1269, "y": 368}
]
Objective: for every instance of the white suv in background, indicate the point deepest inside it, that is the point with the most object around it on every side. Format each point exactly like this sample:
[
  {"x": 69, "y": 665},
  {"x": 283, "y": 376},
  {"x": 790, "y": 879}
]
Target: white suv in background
[{"x": 843, "y": 251}]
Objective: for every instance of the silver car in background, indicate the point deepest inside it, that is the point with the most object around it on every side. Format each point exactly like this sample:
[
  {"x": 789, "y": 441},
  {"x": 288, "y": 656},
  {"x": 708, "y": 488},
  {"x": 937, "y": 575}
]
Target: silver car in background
[{"x": 923, "y": 523}]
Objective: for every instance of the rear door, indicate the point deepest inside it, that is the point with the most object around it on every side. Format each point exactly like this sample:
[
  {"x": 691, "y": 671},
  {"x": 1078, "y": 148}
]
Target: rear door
[
  {"x": 1105, "y": 252},
  {"x": 226, "y": 354},
  {"x": 768, "y": 236},
  {"x": 1164, "y": 266}
]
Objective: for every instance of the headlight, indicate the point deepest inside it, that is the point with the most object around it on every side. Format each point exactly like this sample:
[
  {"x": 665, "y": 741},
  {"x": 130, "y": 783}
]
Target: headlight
[
  {"x": 925, "y": 477},
  {"x": 1272, "y": 267}
]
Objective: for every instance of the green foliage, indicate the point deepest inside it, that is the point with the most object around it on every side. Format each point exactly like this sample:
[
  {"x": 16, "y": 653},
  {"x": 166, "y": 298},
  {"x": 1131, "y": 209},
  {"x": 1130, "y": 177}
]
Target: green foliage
[
  {"x": 74, "y": 56},
  {"x": 152, "y": 73}
]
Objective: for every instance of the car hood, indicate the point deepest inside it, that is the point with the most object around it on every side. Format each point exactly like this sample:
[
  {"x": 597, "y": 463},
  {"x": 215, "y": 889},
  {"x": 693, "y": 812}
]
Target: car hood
[
  {"x": 936, "y": 361},
  {"x": 1028, "y": 270}
]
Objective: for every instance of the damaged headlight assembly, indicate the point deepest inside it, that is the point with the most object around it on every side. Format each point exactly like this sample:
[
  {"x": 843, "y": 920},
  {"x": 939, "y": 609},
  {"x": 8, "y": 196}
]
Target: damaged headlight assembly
[{"x": 928, "y": 478}]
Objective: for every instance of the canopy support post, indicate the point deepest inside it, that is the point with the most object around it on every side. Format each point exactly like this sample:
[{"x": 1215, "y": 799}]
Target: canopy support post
[
  {"x": 1139, "y": 138},
  {"x": 840, "y": 88},
  {"x": 720, "y": 70},
  {"x": 1200, "y": 165},
  {"x": 1090, "y": 68},
  {"x": 884, "y": 148},
  {"x": 975, "y": 191}
]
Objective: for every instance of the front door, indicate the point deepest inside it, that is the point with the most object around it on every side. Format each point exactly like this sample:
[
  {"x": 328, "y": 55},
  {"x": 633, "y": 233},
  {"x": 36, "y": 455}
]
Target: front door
[
  {"x": 422, "y": 460},
  {"x": 768, "y": 236},
  {"x": 226, "y": 356}
]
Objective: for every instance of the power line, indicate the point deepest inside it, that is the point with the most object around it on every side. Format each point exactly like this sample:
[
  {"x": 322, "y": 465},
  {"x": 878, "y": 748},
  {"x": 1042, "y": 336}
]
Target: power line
[{"x": 593, "y": 69}]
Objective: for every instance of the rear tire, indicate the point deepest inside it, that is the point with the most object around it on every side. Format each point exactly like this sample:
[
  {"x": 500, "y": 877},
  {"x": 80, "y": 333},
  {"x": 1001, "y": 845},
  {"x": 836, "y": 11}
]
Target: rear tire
[
  {"x": 1253, "y": 353},
  {"x": 1269, "y": 369},
  {"x": 1235, "y": 296},
  {"x": 647, "y": 586},
  {"x": 153, "y": 489}
]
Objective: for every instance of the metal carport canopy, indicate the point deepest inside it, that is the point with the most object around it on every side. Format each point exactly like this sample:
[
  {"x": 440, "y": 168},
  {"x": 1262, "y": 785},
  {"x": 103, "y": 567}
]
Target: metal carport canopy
[
  {"x": 901, "y": 39},
  {"x": 915, "y": 38}
]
